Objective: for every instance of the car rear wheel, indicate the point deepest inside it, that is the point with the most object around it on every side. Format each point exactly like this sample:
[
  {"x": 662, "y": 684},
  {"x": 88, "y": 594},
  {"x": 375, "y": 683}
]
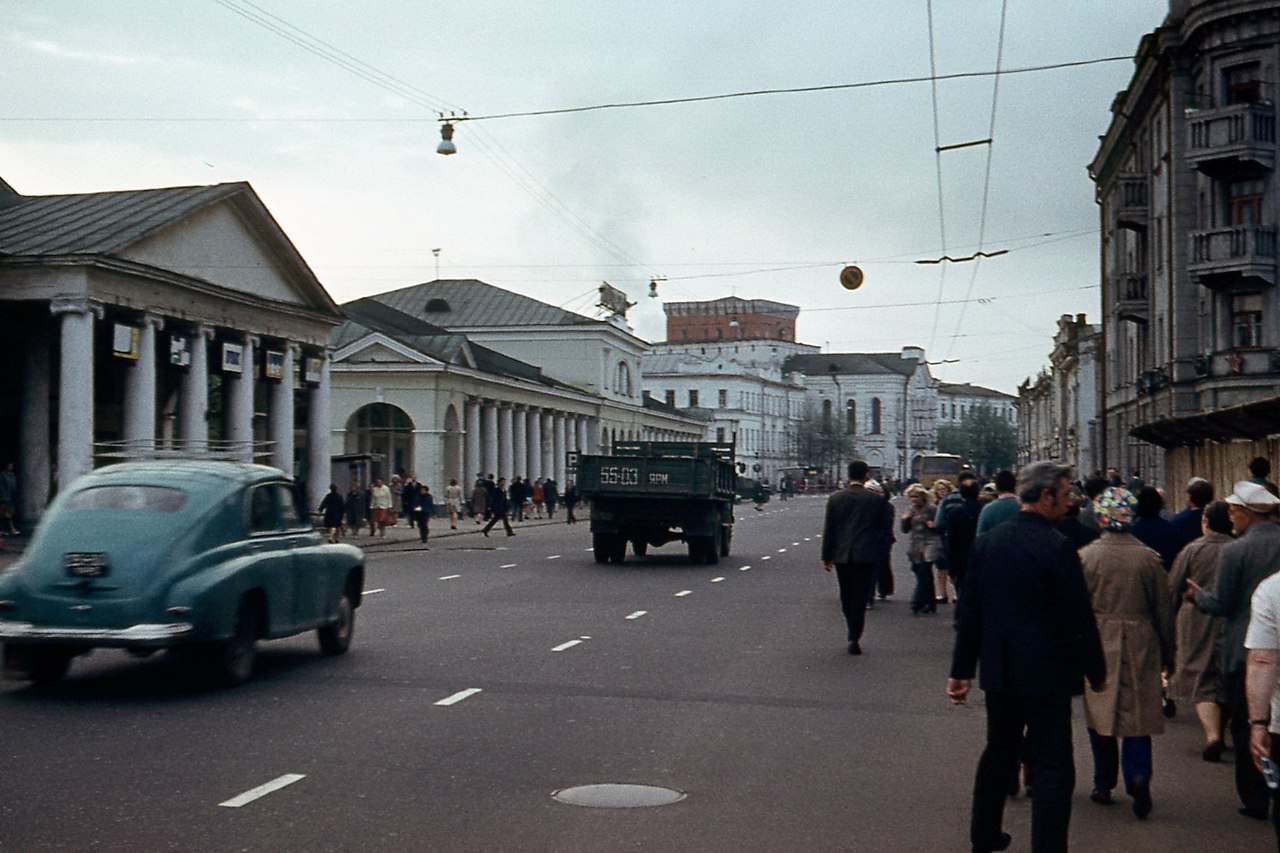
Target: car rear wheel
[
  {"x": 335, "y": 638},
  {"x": 46, "y": 667},
  {"x": 233, "y": 659}
]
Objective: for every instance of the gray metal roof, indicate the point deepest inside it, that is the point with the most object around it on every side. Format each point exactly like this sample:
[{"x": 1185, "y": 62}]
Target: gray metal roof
[
  {"x": 850, "y": 364},
  {"x": 965, "y": 389},
  {"x": 97, "y": 223},
  {"x": 471, "y": 304}
]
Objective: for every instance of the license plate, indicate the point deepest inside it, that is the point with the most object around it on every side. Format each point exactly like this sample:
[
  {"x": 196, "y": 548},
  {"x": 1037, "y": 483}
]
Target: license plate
[{"x": 91, "y": 565}]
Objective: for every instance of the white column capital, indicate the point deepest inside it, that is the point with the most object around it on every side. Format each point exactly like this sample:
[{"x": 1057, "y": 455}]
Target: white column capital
[
  {"x": 76, "y": 305},
  {"x": 155, "y": 321}
]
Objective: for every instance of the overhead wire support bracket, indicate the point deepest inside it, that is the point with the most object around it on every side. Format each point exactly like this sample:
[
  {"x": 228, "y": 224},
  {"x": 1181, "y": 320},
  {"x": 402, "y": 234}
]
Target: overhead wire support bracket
[{"x": 973, "y": 144}]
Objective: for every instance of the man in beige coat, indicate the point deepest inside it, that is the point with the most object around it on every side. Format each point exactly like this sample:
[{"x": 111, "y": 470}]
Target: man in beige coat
[{"x": 1129, "y": 591}]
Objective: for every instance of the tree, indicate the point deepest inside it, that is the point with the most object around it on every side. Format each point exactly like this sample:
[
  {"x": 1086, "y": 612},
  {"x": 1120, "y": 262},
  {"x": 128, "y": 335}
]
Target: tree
[
  {"x": 982, "y": 438},
  {"x": 821, "y": 441}
]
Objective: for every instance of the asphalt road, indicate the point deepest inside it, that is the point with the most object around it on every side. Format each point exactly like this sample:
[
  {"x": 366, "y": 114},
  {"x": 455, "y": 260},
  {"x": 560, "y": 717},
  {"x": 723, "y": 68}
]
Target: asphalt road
[{"x": 488, "y": 674}]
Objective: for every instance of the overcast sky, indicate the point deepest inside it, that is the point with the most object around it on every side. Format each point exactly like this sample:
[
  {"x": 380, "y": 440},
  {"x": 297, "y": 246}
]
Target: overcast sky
[{"x": 762, "y": 197}]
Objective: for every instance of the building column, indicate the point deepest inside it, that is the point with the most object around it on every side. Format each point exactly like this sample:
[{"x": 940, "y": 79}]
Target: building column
[
  {"x": 548, "y": 450},
  {"x": 193, "y": 397},
  {"x": 319, "y": 441},
  {"x": 471, "y": 445},
  {"x": 75, "y": 387},
  {"x": 490, "y": 426},
  {"x": 535, "y": 444},
  {"x": 504, "y": 442},
  {"x": 34, "y": 458},
  {"x": 239, "y": 415},
  {"x": 559, "y": 449},
  {"x": 140, "y": 393},
  {"x": 520, "y": 437},
  {"x": 280, "y": 421}
]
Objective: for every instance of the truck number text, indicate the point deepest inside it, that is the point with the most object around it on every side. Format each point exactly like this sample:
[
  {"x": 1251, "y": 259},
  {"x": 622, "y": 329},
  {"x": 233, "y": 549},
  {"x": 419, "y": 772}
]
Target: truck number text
[
  {"x": 612, "y": 475},
  {"x": 658, "y": 479}
]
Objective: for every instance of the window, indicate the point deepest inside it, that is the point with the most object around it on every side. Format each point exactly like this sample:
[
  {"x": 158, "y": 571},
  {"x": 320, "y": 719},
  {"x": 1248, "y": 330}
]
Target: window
[
  {"x": 720, "y": 434},
  {"x": 724, "y": 398},
  {"x": 670, "y": 397},
  {"x": 693, "y": 398},
  {"x": 875, "y": 416},
  {"x": 1244, "y": 202},
  {"x": 262, "y": 513},
  {"x": 1246, "y": 320},
  {"x": 289, "y": 511},
  {"x": 942, "y": 410},
  {"x": 851, "y": 416},
  {"x": 1242, "y": 84},
  {"x": 826, "y": 414}
]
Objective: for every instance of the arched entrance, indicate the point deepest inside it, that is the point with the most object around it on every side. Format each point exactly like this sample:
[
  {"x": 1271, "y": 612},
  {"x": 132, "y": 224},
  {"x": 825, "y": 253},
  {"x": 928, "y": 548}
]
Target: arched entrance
[{"x": 385, "y": 431}]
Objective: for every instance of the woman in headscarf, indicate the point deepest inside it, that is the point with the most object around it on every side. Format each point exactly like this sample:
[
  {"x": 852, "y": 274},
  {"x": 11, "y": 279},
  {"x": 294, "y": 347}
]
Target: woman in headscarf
[
  {"x": 1129, "y": 590},
  {"x": 1197, "y": 670},
  {"x": 924, "y": 546}
]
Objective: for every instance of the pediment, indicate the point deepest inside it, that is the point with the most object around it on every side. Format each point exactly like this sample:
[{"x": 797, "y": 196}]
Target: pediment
[
  {"x": 380, "y": 349},
  {"x": 234, "y": 243}
]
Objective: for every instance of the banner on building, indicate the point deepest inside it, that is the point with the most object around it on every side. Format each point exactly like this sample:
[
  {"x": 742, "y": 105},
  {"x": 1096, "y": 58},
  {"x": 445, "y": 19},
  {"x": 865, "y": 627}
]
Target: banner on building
[
  {"x": 312, "y": 373},
  {"x": 233, "y": 358},
  {"x": 124, "y": 341},
  {"x": 180, "y": 350},
  {"x": 273, "y": 364}
]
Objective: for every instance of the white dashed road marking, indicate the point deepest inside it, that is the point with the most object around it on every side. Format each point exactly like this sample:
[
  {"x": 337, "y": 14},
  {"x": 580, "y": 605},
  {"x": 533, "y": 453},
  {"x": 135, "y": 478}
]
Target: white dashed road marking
[
  {"x": 637, "y": 614},
  {"x": 744, "y": 568},
  {"x": 459, "y": 696},
  {"x": 554, "y": 557},
  {"x": 682, "y": 593},
  {"x": 450, "y": 577},
  {"x": 372, "y": 591},
  {"x": 262, "y": 790},
  {"x": 507, "y": 566},
  {"x": 568, "y": 645},
  {"x": 717, "y": 580},
  {"x": 782, "y": 550},
  {"x": 765, "y": 557}
]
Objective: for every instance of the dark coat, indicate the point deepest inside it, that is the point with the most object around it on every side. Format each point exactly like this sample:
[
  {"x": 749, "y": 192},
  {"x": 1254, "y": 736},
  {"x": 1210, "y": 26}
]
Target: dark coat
[
  {"x": 334, "y": 508},
  {"x": 1026, "y": 613},
  {"x": 1246, "y": 562},
  {"x": 1160, "y": 536},
  {"x": 849, "y": 534},
  {"x": 962, "y": 527}
]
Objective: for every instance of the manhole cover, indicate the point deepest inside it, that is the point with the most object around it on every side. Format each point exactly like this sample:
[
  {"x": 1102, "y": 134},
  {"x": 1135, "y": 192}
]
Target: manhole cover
[{"x": 619, "y": 796}]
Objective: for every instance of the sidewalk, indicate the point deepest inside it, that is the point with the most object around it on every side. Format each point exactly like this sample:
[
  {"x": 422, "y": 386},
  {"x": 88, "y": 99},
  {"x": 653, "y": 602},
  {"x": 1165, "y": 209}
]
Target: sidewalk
[{"x": 398, "y": 538}]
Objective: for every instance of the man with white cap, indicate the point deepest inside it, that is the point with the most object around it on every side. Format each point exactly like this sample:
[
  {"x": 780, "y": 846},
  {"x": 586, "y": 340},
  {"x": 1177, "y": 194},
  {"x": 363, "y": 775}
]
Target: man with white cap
[{"x": 1246, "y": 563}]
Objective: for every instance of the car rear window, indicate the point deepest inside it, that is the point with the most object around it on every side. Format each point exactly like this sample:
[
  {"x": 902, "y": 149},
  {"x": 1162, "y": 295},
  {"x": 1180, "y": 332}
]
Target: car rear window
[{"x": 140, "y": 498}]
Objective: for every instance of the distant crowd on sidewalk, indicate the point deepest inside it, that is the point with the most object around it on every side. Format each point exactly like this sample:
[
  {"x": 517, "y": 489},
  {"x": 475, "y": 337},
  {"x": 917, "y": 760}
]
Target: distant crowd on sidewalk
[
  {"x": 378, "y": 505},
  {"x": 1062, "y": 584}
]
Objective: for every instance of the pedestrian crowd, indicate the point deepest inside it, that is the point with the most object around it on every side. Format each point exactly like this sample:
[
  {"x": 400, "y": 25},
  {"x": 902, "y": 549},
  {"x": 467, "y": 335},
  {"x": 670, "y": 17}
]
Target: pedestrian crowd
[
  {"x": 1061, "y": 585},
  {"x": 379, "y": 505}
]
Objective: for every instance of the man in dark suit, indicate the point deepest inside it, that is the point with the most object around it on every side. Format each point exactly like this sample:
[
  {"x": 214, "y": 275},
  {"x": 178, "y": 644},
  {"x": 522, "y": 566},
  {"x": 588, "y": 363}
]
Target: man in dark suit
[
  {"x": 1026, "y": 616},
  {"x": 850, "y": 544}
]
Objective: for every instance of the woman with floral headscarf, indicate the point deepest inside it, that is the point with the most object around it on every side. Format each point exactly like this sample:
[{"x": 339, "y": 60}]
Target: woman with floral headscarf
[
  {"x": 924, "y": 546},
  {"x": 1129, "y": 591}
]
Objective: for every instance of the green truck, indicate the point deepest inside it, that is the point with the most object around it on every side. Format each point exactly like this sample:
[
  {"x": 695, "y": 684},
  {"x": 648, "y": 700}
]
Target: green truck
[{"x": 655, "y": 492}]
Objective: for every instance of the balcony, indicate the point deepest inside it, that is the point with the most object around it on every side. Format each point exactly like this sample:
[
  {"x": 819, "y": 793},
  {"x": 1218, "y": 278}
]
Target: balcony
[
  {"x": 1235, "y": 140},
  {"x": 1131, "y": 298},
  {"x": 1131, "y": 209},
  {"x": 1224, "y": 257}
]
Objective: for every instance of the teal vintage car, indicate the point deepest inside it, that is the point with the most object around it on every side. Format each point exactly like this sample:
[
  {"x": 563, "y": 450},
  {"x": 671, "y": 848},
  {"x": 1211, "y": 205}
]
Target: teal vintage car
[{"x": 203, "y": 556}]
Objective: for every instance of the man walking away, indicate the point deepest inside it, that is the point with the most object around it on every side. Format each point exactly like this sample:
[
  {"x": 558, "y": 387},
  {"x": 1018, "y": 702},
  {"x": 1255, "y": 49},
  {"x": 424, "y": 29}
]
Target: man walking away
[
  {"x": 1004, "y": 507},
  {"x": 851, "y": 545},
  {"x": 1026, "y": 616}
]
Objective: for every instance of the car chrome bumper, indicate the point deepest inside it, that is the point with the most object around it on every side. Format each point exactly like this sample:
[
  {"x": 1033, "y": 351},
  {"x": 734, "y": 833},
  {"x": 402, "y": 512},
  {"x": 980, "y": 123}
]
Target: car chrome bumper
[{"x": 158, "y": 634}]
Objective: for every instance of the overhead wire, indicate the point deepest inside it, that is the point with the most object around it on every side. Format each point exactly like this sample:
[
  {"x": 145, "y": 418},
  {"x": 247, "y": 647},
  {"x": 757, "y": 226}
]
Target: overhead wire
[
  {"x": 937, "y": 162},
  {"x": 486, "y": 144},
  {"x": 986, "y": 179}
]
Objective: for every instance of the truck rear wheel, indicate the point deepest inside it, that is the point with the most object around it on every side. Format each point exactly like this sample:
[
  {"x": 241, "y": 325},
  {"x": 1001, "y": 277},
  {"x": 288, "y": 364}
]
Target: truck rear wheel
[
  {"x": 601, "y": 547},
  {"x": 726, "y": 535},
  {"x": 639, "y": 547},
  {"x": 618, "y": 549}
]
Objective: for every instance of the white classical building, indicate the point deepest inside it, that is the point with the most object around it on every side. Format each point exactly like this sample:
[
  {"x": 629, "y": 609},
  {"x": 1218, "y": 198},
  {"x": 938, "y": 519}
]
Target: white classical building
[
  {"x": 724, "y": 357},
  {"x": 439, "y": 379},
  {"x": 887, "y": 403},
  {"x": 176, "y": 320},
  {"x": 957, "y": 400},
  {"x": 1059, "y": 414}
]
